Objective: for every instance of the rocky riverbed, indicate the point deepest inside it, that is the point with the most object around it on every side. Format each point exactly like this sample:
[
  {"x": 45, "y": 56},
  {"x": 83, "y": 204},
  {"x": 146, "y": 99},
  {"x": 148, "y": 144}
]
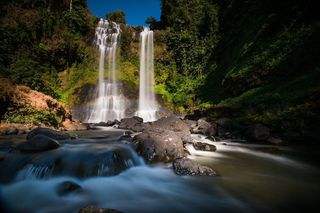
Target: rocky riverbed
[{"x": 175, "y": 164}]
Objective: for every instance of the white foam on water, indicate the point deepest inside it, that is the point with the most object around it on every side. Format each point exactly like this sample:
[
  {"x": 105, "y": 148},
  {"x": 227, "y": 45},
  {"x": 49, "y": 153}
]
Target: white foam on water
[{"x": 139, "y": 189}]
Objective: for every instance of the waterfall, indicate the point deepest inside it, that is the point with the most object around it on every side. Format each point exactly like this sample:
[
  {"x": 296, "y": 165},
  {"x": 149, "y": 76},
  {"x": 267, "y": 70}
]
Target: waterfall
[
  {"x": 110, "y": 103},
  {"x": 147, "y": 102}
]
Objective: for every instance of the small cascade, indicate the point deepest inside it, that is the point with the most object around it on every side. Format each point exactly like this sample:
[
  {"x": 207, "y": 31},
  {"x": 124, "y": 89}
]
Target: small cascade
[
  {"x": 31, "y": 171},
  {"x": 81, "y": 160},
  {"x": 110, "y": 103},
  {"x": 147, "y": 102}
]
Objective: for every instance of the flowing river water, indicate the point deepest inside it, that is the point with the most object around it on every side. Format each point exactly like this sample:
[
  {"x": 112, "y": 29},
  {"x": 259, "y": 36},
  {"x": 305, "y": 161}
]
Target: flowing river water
[{"x": 253, "y": 178}]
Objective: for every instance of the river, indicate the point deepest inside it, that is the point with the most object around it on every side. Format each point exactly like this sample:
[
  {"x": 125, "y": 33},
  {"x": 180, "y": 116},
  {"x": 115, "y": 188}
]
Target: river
[{"x": 253, "y": 178}]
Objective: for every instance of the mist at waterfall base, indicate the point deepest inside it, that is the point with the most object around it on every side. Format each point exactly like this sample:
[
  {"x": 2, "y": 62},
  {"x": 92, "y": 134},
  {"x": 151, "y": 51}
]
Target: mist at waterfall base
[{"x": 112, "y": 175}]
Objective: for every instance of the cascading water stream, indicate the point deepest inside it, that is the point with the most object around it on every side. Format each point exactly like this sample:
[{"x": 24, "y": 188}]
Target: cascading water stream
[
  {"x": 147, "y": 102},
  {"x": 110, "y": 104}
]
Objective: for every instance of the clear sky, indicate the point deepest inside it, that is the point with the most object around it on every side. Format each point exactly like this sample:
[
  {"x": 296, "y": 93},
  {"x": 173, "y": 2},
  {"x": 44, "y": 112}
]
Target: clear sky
[{"x": 136, "y": 10}]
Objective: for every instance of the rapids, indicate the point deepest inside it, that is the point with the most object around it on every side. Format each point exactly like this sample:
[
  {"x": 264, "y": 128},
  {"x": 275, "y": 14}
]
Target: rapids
[{"x": 253, "y": 178}]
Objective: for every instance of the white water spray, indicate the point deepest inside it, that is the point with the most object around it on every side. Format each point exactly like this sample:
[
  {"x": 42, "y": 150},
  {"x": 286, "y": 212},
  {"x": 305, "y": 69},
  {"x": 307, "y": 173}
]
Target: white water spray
[
  {"x": 110, "y": 104},
  {"x": 147, "y": 102}
]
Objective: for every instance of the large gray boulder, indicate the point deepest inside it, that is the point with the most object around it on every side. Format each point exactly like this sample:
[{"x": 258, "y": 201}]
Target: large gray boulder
[
  {"x": 180, "y": 127},
  {"x": 185, "y": 166},
  {"x": 38, "y": 143},
  {"x": 159, "y": 145},
  {"x": 171, "y": 123},
  {"x": 49, "y": 133},
  {"x": 258, "y": 132},
  {"x": 135, "y": 124}
]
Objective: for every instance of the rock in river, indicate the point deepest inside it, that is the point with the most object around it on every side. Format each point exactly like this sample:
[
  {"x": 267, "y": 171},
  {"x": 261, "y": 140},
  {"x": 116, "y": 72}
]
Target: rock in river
[
  {"x": 38, "y": 143},
  {"x": 159, "y": 145},
  {"x": 135, "y": 124},
  {"x": 49, "y": 133},
  {"x": 172, "y": 123},
  {"x": 188, "y": 167},
  {"x": 67, "y": 187},
  {"x": 204, "y": 147}
]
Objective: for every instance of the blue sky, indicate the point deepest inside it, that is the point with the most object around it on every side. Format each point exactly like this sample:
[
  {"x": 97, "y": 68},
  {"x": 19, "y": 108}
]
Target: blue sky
[{"x": 136, "y": 10}]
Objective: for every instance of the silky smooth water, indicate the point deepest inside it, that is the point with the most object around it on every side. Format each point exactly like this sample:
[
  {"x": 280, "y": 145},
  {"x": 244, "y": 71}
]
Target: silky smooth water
[
  {"x": 147, "y": 103},
  {"x": 110, "y": 103},
  {"x": 253, "y": 178}
]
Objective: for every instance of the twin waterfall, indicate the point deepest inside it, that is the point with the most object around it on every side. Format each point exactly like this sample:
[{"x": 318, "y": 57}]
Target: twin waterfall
[
  {"x": 147, "y": 103},
  {"x": 111, "y": 103}
]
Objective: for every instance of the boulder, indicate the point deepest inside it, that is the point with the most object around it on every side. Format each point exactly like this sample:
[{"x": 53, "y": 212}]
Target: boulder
[
  {"x": 204, "y": 127},
  {"x": 257, "y": 132},
  {"x": 100, "y": 124},
  {"x": 94, "y": 209},
  {"x": 108, "y": 123},
  {"x": 38, "y": 143},
  {"x": 67, "y": 187},
  {"x": 111, "y": 123},
  {"x": 159, "y": 145},
  {"x": 171, "y": 123},
  {"x": 73, "y": 125},
  {"x": 135, "y": 124},
  {"x": 185, "y": 166},
  {"x": 49, "y": 133},
  {"x": 204, "y": 147}
]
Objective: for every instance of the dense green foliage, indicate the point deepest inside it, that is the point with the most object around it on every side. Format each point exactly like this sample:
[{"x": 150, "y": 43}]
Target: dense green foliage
[
  {"x": 117, "y": 16},
  {"x": 191, "y": 36},
  {"x": 256, "y": 60},
  {"x": 33, "y": 116},
  {"x": 42, "y": 38}
]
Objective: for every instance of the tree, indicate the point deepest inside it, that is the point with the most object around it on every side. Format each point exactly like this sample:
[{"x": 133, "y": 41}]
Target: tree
[
  {"x": 117, "y": 16},
  {"x": 153, "y": 23},
  {"x": 150, "y": 20}
]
